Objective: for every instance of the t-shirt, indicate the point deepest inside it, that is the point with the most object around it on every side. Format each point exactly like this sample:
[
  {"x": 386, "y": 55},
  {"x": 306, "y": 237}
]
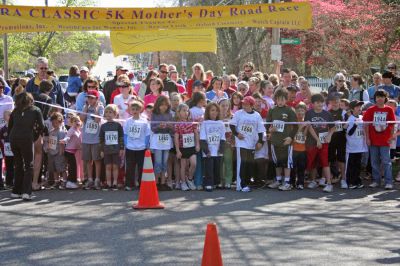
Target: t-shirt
[
  {"x": 186, "y": 134},
  {"x": 123, "y": 105},
  {"x": 270, "y": 102},
  {"x": 299, "y": 141},
  {"x": 53, "y": 140},
  {"x": 393, "y": 90},
  {"x": 197, "y": 113},
  {"x": 356, "y": 142},
  {"x": 379, "y": 131},
  {"x": 279, "y": 116},
  {"x": 212, "y": 96},
  {"x": 249, "y": 125},
  {"x": 337, "y": 116},
  {"x": 136, "y": 130},
  {"x": 111, "y": 137},
  {"x": 321, "y": 130},
  {"x": 161, "y": 138},
  {"x": 91, "y": 129},
  {"x": 150, "y": 98},
  {"x": 212, "y": 132}
]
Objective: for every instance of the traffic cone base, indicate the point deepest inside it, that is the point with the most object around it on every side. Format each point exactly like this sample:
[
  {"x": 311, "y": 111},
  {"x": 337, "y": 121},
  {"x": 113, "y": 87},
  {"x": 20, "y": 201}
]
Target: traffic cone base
[{"x": 212, "y": 251}]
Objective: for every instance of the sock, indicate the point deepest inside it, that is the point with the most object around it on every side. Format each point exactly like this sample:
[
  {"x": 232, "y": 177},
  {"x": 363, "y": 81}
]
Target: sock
[
  {"x": 278, "y": 178},
  {"x": 287, "y": 179}
]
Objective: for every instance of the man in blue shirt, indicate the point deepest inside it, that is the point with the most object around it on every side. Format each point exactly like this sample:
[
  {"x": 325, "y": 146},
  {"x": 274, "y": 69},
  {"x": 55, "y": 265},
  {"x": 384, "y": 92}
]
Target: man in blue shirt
[
  {"x": 391, "y": 89},
  {"x": 377, "y": 80}
]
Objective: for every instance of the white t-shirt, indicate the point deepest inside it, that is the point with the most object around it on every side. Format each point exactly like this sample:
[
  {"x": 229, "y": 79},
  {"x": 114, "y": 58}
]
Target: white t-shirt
[
  {"x": 356, "y": 143},
  {"x": 122, "y": 105},
  {"x": 197, "y": 113},
  {"x": 248, "y": 125},
  {"x": 136, "y": 131},
  {"x": 212, "y": 132}
]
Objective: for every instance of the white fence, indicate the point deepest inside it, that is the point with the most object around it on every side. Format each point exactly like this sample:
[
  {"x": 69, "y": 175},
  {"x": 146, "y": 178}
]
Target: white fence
[{"x": 318, "y": 84}]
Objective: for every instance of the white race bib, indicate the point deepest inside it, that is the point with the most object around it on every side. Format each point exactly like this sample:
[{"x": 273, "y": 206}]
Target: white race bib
[
  {"x": 338, "y": 127},
  {"x": 300, "y": 138},
  {"x": 163, "y": 139},
  {"x": 188, "y": 140},
  {"x": 134, "y": 131},
  {"x": 91, "y": 127},
  {"x": 7, "y": 150},
  {"x": 322, "y": 137},
  {"x": 213, "y": 138},
  {"x": 52, "y": 141},
  {"x": 380, "y": 121},
  {"x": 111, "y": 137},
  {"x": 278, "y": 125},
  {"x": 359, "y": 132},
  {"x": 247, "y": 129}
]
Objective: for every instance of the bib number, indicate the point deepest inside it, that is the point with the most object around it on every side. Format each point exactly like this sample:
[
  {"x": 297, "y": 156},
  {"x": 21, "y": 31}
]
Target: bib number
[
  {"x": 322, "y": 137},
  {"x": 52, "y": 141},
  {"x": 278, "y": 125},
  {"x": 213, "y": 139},
  {"x": 163, "y": 139},
  {"x": 7, "y": 149},
  {"x": 359, "y": 133},
  {"x": 188, "y": 140},
  {"x": 91, "y": 127},
  {"x": 134, "y": 131},
  {"x": 300, "y": 138},
  {"x": 247, "y": 129},
  {"x": 111, "y": 137},
  {"x": 338, "y": 127},
  {"x": 380, "y": 121}
]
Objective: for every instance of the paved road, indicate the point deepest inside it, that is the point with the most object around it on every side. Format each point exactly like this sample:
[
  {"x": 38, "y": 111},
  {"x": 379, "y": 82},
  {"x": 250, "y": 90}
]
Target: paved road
[
  {"x": 107, "y": 62},
  {"x": 263, "y": 227}
]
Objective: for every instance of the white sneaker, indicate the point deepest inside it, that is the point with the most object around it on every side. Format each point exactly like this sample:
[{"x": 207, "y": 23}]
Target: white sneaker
[
  {"x": 228, "y": 186},
  {"x": 312, "y": 185},
  {"x": 285, "y": 187},
  {"x": 191, "y": 185},
  {"x": 184, "y": 186},
  {"x": 374, "y": 185},
  {"x": 328, "y": 188},
  {"x": 178, "y": 186},
  {"x": 343, "y": 184},
  {"x": 274, "y": 185},
  {"x": 199, "y": 188},
  {"x": 388, "y": 186},
  {"x": 26, "y": 196},
  {"x": 15, "y": 196},
  {"x": 246, "y": 189},
  {"x": 209, "y": 188},
  {"x": 169, "y": 184},
  {"x": 322, "y": 182},
  {"x": 300, "y": 187},
  {"x": 71, "y": 185}
]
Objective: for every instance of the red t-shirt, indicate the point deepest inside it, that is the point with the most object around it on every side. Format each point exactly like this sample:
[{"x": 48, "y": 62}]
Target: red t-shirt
[
  {"x": 183, "y": 129},
  {"x": 379, "y": 132},
  {"x": 189, "y": 86}
]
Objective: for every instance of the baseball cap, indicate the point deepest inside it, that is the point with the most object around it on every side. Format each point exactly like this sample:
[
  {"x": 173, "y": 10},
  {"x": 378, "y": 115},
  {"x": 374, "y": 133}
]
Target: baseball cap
[
  {"x": 93, "y": 93},
  {"x": 197, "y": 83},
  {"x": 121, "y": 68},
  {"x": 249, "y": 100},
  {"x": 83, "y": 68},
  {"x": 355, "y": 103}
]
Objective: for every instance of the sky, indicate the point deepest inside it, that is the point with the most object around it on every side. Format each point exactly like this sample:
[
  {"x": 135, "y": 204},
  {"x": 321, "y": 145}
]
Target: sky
[{"x": 103, "y": 3}]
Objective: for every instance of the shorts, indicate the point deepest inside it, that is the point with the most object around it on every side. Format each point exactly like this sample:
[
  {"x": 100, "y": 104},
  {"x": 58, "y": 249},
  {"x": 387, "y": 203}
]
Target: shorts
[
  {"x": 314, "y": 154},
  {"x": 112, "y": 158},
  {"x": 91, "y": 152},
  {"x": 188, "y": 152},
  {"x": 282, "y": 156},
  {"x": 55, "y": 163},
  {"x": 337, "y": 149}
]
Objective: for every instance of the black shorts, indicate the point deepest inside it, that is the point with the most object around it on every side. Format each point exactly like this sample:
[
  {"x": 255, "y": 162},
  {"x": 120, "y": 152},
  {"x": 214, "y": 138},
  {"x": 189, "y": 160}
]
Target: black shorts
[
  {"x": 187, "y": 152},
  {"x": 112, "y": 159},
  {"x": 337, "y": 148},
  {"x": 282, "y": 156}
]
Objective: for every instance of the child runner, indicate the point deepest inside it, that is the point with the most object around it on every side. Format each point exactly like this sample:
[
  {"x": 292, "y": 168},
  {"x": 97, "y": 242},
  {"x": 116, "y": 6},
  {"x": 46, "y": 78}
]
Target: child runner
[
  {"x": 356, "y": 145},
  {"x": 247, "y": 126},
  {"x": 156, "y": 87},
  {"x": 212, "y": 140},
  {"x": 226, "y": 116},
  {"x": 161, "y": 139},
  {"x": 378, "y": 136},
  {"x": 282, "y": 135},
  {"x": 112, "y": 145},
  {"x": 187, "y": 145},
  {"x": 6, "y": 151},
  {"x": 317, "y": 141},
  {"x": 137, "y": 136},
  {"x": 236, "y": 102},
  {"x": 267, "y": 90},
  {"x": 90, "y": 137}
]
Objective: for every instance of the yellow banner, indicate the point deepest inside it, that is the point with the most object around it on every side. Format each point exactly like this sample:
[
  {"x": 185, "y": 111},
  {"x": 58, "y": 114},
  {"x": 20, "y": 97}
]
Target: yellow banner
[
  {"x": 124, "y": 42},
  {"x": 294, "y": 15}
]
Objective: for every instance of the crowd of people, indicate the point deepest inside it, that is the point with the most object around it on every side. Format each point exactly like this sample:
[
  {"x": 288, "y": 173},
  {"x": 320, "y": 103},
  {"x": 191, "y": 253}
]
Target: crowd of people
[{"x": 206, "y": 132}]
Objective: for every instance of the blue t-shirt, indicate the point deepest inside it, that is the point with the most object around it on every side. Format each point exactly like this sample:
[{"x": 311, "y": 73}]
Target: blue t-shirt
[
  {"x": 212, "y": 96},
  {"x": 74, "y": 84},
  {"x": 393, "y": 90}
]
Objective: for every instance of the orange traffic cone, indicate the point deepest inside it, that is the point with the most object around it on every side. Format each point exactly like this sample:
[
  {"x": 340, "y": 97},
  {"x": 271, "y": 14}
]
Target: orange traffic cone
[
  {"x": 148, "y": 194},
  {"x": 212, "y": 251}
]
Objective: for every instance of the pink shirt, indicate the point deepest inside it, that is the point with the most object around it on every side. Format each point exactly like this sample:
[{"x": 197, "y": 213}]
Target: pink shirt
[
  {"x": 150, "y": 98},
  {"x": 74, "y": 140}
]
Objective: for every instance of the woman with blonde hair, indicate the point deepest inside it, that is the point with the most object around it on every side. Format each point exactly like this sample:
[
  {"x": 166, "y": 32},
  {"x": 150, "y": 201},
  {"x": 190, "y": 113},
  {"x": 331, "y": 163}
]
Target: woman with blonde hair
[{"x": 198, "y": 74}]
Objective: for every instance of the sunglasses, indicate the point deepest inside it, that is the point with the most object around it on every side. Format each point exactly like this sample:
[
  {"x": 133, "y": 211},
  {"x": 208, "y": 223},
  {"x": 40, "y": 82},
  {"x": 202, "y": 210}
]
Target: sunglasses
[
  {"x": 341, "y": 80},
  {"x": 164, "y": 72},
  {"x": 233, "y": 80}
]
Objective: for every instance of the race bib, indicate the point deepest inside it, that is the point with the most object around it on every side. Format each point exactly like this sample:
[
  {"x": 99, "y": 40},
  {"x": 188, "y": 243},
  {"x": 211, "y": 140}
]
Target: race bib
[
  {"x": 111, "y": 137},
  {"x": 134, "y": 131},
  {"x": 380, "y": 121},
  {"x": 322, "y": 137},
  {"x": 279, "y": 125},
  {"x": 247, "y": 129},
  {"x": 163, "y": 139},
  {"x": 7, "y": 150},
  {"x": 188, "y": 140},
  {"x": 213, "y": 138},
  {"x": 338, "y": 127},
  {"x": 52, "y": 141},
  {"x": 300, "y": 138},
  {"x": 359, "y": 132},
  {"x": 91, "y": 127}
]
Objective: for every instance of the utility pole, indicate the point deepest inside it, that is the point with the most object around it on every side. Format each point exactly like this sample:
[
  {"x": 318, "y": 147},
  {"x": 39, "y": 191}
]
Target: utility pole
[
  {"x": 5, "y": 52},
  {"x": 183, "y": 60},
  {"x": 276, "y": 36}
]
